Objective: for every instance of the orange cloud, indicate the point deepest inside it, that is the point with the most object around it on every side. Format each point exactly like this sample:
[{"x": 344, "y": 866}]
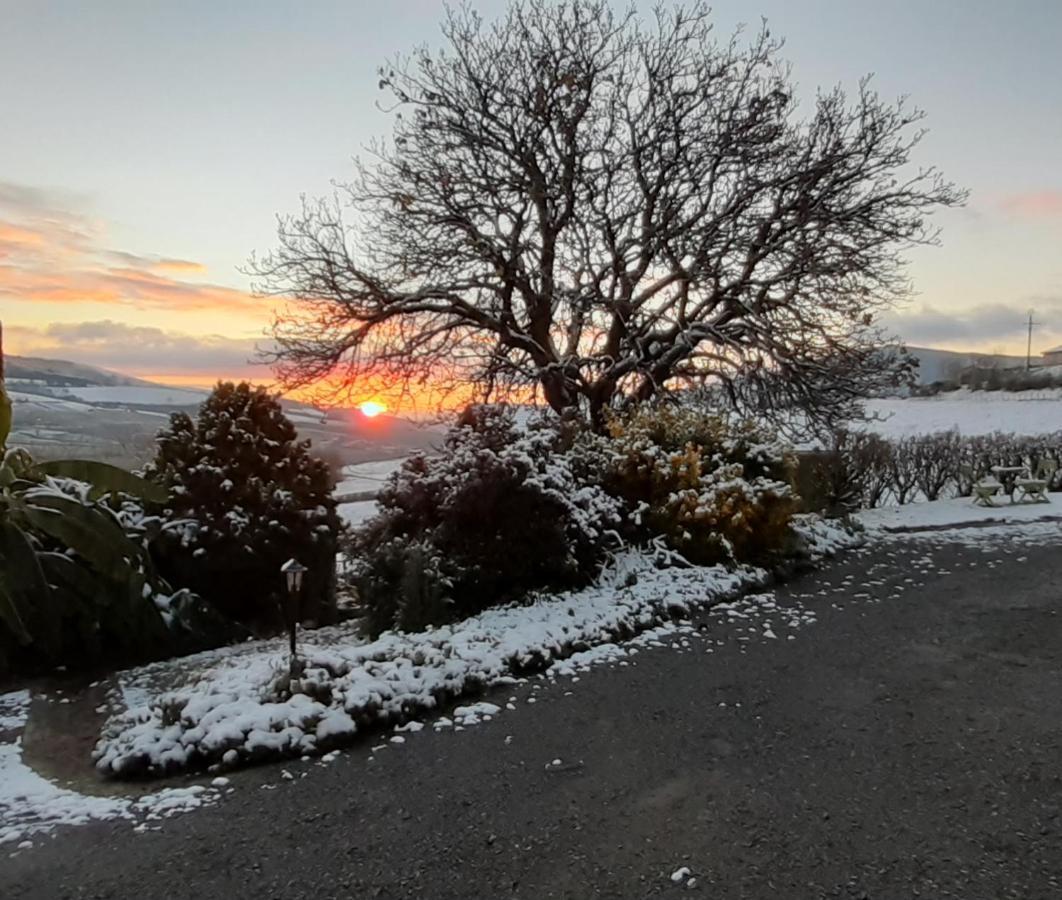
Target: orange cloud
[
  {"x": 1034, "y": 204},
  {"x": 14, "y": 237},
  {"x": 179, "y": 265},
  {"x": 128, "y": 287},
  {"x": 166, "y": 264},
  {"x": 52, "y": 254}
]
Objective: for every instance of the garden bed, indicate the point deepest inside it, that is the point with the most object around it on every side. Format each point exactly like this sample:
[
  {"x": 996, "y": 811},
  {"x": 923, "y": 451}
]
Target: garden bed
[{"x": 232, "y": 715}]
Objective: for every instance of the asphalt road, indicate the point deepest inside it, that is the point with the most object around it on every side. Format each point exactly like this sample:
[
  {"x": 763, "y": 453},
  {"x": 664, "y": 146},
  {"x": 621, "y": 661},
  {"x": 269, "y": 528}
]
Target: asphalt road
[{"x": 908, "y": 744}]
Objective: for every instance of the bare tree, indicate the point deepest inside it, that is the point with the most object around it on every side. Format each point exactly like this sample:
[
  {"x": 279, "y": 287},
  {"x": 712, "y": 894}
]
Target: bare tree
[{"x": 584, "y": 204}]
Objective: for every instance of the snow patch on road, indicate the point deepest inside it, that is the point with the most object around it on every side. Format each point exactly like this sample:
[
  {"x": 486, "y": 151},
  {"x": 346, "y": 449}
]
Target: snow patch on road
[
  {"x": 955, "y": 512},
  {"x": 31, "y": 806},
  {"x": 13, "y": 709}
]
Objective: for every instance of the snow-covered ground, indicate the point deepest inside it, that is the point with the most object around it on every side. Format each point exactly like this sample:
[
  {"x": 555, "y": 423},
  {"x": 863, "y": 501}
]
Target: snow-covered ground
[
  {"x": 24, "y": 402},
  {"x": 970, "y": 412},
  {"x": 356, "y": 513},
  {"x": 224, "y": 695},
  {"x": 364, "y": 477},
  {"x": 134, "y": 395},
  {"x": 360, "y": 479},
  {"x": 470, "y": 654},
  {"x": 955, "y": 512}
]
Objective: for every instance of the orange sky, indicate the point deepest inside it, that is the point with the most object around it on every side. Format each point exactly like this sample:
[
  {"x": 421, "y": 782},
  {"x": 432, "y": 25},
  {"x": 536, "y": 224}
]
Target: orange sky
[
  {"x": 133, "y": 184},
  {"x": 68, "y": 293}
]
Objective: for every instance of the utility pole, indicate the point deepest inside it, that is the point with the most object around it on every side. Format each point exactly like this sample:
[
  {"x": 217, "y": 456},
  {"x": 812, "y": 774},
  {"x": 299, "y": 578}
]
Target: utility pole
[{"x": 1028, "y": 346}]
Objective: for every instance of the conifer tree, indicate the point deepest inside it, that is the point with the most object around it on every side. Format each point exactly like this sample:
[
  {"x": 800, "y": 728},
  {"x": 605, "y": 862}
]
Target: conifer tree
[{"x": 251, "y": 496}]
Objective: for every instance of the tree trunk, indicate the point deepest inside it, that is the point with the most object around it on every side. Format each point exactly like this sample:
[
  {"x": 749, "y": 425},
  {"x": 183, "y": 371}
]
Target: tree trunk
[{"x": 601, "y": 394}]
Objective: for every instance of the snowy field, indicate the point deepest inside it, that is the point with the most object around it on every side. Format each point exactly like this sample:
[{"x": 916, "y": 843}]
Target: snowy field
[
  {"x": 970, "y": 412},
  {"x": 26, "y": 402},
  {"x": 135, "y": 395},
  {"x": 364, "y": 477},
  {"x": 956, "y": 512},
  {"x": 354, "y": 514}
]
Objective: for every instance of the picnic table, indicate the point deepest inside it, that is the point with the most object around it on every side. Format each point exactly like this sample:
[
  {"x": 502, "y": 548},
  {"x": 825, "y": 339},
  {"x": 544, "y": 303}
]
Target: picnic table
[
  {"x": 1019, "y": 478},
  {"x": 1008, "y": 477}
]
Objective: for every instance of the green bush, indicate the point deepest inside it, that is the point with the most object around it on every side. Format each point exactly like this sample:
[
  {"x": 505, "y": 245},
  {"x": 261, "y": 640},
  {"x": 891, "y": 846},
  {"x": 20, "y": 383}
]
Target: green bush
[{"x": 245, "y": 496}]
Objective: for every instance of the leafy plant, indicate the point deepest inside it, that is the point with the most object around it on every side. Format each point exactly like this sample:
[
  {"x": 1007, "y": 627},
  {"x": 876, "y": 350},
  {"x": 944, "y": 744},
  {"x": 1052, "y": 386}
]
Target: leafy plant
[{"x": 73, "y": 582}]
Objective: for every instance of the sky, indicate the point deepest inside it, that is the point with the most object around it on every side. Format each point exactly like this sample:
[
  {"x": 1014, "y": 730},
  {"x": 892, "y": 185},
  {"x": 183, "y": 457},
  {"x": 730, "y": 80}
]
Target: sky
[{"x": 147, "y": 147}]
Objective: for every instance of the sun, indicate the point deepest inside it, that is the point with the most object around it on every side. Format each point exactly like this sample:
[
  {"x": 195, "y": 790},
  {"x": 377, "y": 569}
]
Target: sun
[{"x": 371, "y": 409}]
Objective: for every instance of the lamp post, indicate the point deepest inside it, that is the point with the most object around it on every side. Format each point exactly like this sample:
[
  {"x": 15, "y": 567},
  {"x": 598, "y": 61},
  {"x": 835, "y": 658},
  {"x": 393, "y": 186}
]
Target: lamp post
[{"x": 293, "y": 571}]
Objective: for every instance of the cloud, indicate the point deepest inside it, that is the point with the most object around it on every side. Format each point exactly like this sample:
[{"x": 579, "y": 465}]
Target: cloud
[
  {"x": 156, "y": 262},
  {"x": 997, "y": 324},
  {"x": 137, "y": 349},
  {"x": 1041, "y": 204},
  {"x": 52, "y": 251}
]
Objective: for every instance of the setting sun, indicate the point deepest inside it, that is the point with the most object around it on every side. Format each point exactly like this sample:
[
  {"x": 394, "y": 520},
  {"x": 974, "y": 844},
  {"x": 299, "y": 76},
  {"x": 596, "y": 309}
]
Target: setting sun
[{"x": 370, "y": 409}]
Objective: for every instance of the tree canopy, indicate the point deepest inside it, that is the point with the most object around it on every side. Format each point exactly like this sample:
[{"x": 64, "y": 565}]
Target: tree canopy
[{"x": 589, "y": 206}]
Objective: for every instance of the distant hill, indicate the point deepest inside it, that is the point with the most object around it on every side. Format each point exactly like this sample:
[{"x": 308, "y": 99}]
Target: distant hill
[
  {"x": 65, "y": 409},
  {"x": 945, "y": 365},
  {"x": 63, "y": 373}
]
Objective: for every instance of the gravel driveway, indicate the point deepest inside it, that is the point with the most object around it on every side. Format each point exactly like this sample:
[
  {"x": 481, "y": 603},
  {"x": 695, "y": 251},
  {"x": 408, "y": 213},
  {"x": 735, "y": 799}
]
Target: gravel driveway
[{"x": 907, "y": 744}]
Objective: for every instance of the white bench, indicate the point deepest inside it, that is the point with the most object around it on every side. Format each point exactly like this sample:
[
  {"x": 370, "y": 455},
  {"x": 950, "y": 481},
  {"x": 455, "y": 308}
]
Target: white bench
[
  {"x": 985, "y": 491},
  {"x": 1034, "y": 488}
]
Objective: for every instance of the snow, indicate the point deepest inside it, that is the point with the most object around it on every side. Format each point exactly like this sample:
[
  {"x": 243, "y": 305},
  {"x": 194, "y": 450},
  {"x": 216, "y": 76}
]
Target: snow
[
  {"x": 969, "y": 412},
  {"x": 950, "y": 513},
  {"x": 236, "y": 711},
  {"x": 13, "y": 709},
  {"x": 367, "y": 476},
  {"x": 136, "y": 395},
  {"x": 476, "y": 713},
  {"x": 356, "y": 513},
  {"x": 31, "y": 806},
  {"x": 44, "y": 401}
]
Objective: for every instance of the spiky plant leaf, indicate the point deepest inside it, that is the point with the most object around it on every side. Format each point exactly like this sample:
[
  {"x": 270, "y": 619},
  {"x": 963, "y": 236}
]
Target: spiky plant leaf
[
  {"x": 89, "y": 531},
  {"x": 104, "y": 478},
  {"x": 27, "y": 606},
  {"x": 5, "y": 416}
]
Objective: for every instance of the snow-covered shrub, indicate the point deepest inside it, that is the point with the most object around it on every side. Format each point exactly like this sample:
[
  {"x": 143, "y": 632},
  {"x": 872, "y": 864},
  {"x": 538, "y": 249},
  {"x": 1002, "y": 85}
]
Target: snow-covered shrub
[
  {"x": 866, "y": 470},
  {"x": 854, "y": 472},
  {"x": 245, "y": 496},
  {"x": 502, "y": 511},
  {"x": 978, "y": 379},
  {"x": 936, "y": 460},
  {"x": 718, "y": 489}
]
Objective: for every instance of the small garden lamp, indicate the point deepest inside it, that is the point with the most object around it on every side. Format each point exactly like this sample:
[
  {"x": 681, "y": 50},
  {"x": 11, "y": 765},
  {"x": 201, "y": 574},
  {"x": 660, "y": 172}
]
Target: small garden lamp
[{"x": 293, "y": 571}]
